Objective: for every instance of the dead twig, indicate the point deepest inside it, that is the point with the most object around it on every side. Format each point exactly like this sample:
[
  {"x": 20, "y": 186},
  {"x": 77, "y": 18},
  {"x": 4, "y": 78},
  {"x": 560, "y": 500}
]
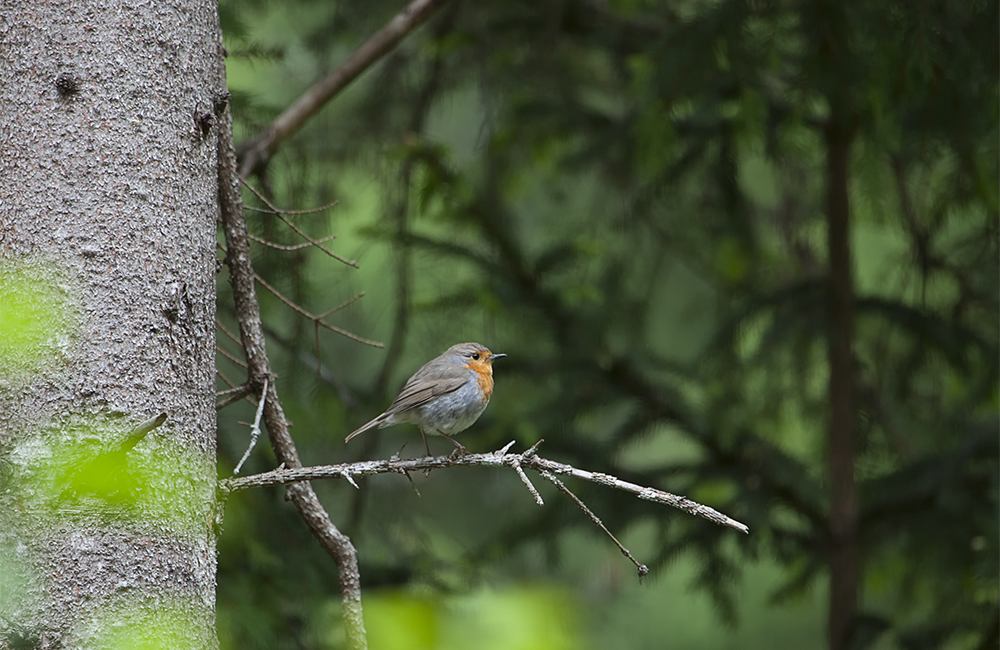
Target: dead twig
[
  {"x": 549, "y": 469},
  {"x": 314, "y": 318},
  {"x": 281, "y": 215},
  {"x": 140, "y": 432},
  {"x": 641, "y": 568},
  {"x": 290, "y": 248},
  {"x": 231, "y": 396},
  {"x": 255, "y": 429},
  {"x": 307, "y": 211}
]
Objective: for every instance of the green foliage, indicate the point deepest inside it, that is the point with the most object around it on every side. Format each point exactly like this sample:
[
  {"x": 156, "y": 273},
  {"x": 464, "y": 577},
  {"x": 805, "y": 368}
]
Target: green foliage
[
  {"x": 147, "y": 626},
  {"x": 140, "y": 488},
  {"x": 628, "y": 199},
  {"x": 34, "y": 319},
  {"x": 526, "y": 618}
]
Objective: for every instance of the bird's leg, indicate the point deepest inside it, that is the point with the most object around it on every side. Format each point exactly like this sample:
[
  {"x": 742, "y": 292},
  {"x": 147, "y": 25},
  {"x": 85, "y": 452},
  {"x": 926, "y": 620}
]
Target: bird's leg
[
  {"x": 424, "y": 436},
  {"x": 459, "y": 447}
]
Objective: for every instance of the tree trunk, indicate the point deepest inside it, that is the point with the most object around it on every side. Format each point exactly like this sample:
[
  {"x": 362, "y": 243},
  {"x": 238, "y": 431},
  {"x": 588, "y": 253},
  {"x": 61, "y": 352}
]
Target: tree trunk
[
  {"x": 108, "y": 209},
  {"x": 843, "y": 558}
]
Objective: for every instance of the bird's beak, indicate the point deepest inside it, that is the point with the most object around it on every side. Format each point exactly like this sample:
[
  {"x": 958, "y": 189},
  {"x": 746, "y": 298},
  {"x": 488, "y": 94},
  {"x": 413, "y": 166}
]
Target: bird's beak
[{"x": 494, "y": 357}]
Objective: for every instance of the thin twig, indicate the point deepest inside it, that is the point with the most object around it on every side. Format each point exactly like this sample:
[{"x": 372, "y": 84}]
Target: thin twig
[
  {"x": 346, "y": 303},
  {"x": 245, "y": 389},
  {"x": 641, "y": 568},
  {"x": 140, "y": 432},
  {"x": 291, "y": 248},
  {"x": 527, "y": 482},
  {"x": 232, "y": 395},
  {"x": 296, "y": 212},
  {"x": 280, "y": 214},
  {"x": 223, "y": 352},
  {"x": 225, "y": 330},
  {"x": 531, "y": 450},
  {"x": 301, "y": 233},
  {"x": 242, "y": 388},
  {"x": 316, "y": 319},
  {"x": 255, "y": 429},
  {"x": 229, "y": 382}
]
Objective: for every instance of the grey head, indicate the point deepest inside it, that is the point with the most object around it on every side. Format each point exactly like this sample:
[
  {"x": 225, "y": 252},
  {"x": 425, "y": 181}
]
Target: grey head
[{"x": 472, "y": 351}]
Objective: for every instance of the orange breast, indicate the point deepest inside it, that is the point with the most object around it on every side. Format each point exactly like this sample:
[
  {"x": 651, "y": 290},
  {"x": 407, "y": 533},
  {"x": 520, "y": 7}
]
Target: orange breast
[{"x": 484, "y": 375}]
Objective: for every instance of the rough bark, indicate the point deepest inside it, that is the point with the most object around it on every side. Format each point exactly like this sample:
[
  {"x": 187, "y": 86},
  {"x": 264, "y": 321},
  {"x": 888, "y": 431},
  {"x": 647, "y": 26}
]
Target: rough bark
[{"x": 108, "y": 196}]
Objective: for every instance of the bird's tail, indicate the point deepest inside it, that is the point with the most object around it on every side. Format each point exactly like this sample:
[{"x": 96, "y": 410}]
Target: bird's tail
[{"x": 371, "y": 425}]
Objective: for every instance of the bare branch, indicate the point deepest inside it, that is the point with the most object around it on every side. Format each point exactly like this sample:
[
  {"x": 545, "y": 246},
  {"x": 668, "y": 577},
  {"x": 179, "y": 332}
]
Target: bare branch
[
  {"x": 256, "y": 153},
  {"x": 255, "y": 429},
  {"x": 241, "y": 277},
  {"x": 527, "y": 460},
  {"x": 645, "y": 493}
]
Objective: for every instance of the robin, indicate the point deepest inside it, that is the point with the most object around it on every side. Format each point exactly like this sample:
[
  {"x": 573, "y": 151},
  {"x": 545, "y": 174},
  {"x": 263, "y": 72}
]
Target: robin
[{"x": 445, "y": 396}]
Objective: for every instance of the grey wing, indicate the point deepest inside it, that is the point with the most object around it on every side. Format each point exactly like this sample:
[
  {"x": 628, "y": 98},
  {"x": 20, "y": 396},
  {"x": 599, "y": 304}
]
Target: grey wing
[{"x": 419, "y": 391}]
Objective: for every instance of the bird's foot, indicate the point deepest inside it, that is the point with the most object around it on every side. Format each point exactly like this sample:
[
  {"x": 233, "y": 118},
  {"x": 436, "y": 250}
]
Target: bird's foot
[{"x": 459, "y": 451}]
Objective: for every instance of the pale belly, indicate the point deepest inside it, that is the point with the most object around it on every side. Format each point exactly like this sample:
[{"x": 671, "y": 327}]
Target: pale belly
[{"x": 449, "y": 414}]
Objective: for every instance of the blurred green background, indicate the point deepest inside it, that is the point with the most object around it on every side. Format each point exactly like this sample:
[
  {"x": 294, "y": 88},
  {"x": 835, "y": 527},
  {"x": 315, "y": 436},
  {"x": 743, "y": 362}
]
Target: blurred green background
[{"x": 628, "y": 198}]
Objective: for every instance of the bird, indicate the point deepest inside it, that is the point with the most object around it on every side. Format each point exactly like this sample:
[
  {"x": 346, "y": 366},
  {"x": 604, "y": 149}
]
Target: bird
[{"x": 446, "y": 396}]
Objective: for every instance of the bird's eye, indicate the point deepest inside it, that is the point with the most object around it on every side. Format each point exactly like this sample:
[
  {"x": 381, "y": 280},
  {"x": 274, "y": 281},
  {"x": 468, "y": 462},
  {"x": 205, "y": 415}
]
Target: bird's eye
[{"x": 475, "y": 355}]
